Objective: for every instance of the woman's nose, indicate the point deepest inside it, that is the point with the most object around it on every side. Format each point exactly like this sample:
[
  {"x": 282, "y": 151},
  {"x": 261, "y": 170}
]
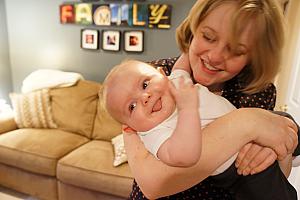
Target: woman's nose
[
  {"x": 218, "y": 54},
  {"x": 145, "y": 98}
]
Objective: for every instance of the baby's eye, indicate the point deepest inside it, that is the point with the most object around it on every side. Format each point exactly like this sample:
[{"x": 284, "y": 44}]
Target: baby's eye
[
  {"x": 132, "y": 107},
  {"x": 145, "y": 84}
]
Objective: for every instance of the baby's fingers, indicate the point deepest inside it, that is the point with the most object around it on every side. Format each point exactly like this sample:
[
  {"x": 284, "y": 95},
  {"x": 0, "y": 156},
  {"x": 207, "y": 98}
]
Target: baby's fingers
[
  {"x": 179, "y": 84},
  {"x": 173, "y": 89}
]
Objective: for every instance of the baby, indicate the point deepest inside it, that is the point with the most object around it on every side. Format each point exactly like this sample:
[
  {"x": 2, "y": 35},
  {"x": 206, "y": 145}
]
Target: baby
[
  {"x": 165, "y": 111},
  {"x": 168, "y": 114}
]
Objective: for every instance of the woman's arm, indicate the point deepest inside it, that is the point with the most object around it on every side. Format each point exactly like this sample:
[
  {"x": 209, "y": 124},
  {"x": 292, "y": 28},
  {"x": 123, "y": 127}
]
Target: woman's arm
[{"x": 229, "y": 133}]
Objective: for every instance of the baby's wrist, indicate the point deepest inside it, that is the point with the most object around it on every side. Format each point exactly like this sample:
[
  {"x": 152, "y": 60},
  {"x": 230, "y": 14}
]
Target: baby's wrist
[{"x": 189, "y": 109}]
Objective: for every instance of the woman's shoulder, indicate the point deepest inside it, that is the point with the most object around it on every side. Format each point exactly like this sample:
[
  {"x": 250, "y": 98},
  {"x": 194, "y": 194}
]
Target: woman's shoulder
[
  {"x": 264, "y": 99},
  {"x": 166, "y": 63}
]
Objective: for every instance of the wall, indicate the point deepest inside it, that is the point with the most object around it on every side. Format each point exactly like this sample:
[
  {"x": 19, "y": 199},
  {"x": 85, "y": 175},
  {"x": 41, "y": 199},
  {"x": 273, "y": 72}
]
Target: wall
[
  {"x": 289, "y": 51},
  {"x": 5, "y": 72},
  {"x": 38, "y": 40}
]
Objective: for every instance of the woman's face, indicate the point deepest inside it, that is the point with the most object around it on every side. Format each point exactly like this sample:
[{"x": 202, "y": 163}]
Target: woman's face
[{"x": 212, "y": 59}]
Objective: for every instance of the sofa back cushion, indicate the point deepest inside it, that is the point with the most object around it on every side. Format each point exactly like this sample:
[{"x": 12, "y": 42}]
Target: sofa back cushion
[
  {"x": 105, "y": 127},
  {"x": 74, "y": 108}
]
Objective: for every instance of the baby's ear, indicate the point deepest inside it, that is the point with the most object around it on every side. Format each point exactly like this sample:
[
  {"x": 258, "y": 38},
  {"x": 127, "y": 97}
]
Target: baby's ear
[
  {"x": 160, "y": 69},
  {"x": 127, "y": 129}
]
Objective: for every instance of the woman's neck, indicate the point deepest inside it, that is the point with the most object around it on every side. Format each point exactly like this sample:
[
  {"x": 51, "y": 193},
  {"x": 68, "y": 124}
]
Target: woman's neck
[{"x": 216, "y": 88}]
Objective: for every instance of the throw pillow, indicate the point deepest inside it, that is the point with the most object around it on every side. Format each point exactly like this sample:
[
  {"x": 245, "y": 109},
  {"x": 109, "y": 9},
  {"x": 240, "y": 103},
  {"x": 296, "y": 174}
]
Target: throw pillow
[
  {"x": 33, "y": 110},
  {"x": 119, "y": 150}
]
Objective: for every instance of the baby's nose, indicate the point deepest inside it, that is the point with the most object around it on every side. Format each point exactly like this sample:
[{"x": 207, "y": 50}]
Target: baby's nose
[{"x": 145, "y": 98}]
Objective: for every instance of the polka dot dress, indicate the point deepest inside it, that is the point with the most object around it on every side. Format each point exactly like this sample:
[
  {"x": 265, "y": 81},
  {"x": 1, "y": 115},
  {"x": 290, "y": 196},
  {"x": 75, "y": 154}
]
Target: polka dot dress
[{"x": 206, "y": 190}]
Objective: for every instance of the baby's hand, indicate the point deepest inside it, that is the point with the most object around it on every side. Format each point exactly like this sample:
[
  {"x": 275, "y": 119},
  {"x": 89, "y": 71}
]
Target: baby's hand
[
  {"x": 186, "y": 95},
  {"x": 183, "y": 63}
]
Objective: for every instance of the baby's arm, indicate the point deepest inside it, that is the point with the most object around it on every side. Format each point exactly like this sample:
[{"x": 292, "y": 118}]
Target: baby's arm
[{"x": 183, "y": 148}]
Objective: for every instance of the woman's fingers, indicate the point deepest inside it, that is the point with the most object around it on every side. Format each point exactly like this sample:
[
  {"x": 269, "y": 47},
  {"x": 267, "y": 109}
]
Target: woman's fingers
[
  {"x": 262, "y": 160},
  {"x": 254, "y": 158},
  {"x": 285, "y": 140},
  {"x": 264, "y": 164},
  {"x": 294, "y": 135},
  {"x": 242, "y": 154},
  {"x": 281, "y": 151},
  {"x": 291, "y": 141}
]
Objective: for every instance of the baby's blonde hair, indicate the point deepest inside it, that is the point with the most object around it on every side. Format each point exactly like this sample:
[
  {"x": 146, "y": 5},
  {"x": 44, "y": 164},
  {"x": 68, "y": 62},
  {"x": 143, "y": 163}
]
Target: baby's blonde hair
[
  {"x": 265, "y": 57},
  {"x": 111, "y": 74},
  {"x": 103, "y": 91}
]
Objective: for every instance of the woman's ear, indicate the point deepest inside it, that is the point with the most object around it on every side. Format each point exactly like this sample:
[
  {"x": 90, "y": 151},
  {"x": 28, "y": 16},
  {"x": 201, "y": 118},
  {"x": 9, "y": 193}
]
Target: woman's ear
[{"x": 127, "y": 129}]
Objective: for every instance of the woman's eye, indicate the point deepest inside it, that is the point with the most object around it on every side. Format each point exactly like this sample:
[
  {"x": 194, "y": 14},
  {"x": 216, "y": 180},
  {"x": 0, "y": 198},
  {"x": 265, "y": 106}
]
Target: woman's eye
[
  {"x": 145, "y": 84},
  {"x": 208, "y": 37},
  {"x": 132, "y": 107},
  {"x": 239, "y": 53}
]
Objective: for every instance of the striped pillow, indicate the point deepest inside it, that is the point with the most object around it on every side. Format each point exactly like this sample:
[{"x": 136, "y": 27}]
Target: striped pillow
[{"x": 33, "y": 110}]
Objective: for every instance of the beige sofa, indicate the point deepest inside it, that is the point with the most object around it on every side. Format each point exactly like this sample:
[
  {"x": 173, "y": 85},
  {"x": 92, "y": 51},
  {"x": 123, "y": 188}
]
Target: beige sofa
[{"x": 72, "y": 162}]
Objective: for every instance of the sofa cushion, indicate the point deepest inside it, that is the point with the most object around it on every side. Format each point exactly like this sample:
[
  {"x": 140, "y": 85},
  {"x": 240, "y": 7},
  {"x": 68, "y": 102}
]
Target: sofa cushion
[
  {"x": 7, "y": 123},
  {"x": 33, "y": 110},
  {"x": 90, "y": 166},
  {"x": 71, "y": 192},
  {"x": 37, "y": 150},
  {"x": 74, "y": 108},
  {"x": 39, "y": 186},
  {"x": 105, "y": 127}
]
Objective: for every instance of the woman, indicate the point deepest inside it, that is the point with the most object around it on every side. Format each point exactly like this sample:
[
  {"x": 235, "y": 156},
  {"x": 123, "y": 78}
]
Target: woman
[{"x": 231, "y": 59}]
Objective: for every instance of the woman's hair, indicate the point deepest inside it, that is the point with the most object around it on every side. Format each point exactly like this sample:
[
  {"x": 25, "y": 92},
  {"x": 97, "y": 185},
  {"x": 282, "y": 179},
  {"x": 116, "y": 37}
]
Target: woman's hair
[{"x": 267, "y": 19}]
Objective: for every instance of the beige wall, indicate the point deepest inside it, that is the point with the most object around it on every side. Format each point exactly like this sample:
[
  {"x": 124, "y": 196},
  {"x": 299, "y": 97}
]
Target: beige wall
[
  {"x": 5, "y": 71},
  {"x": 293, "y": 32}
]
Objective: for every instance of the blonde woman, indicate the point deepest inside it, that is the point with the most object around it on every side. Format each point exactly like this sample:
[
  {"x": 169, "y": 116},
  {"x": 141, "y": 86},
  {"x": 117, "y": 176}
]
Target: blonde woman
[{"x": 234, "y": 49}]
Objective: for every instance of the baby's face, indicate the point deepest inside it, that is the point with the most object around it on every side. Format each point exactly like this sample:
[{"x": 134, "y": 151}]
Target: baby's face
[{"x": 139, "y": 96}]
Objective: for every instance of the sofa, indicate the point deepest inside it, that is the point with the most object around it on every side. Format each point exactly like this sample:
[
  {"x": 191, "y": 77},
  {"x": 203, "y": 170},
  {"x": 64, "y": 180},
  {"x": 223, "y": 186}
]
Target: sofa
[{"x": 71, "y": 162}]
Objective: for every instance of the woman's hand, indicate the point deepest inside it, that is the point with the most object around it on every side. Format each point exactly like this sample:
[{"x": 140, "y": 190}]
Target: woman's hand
[
  {"x": 254, "y": 158},
  {"x": 279, "y": 133}
]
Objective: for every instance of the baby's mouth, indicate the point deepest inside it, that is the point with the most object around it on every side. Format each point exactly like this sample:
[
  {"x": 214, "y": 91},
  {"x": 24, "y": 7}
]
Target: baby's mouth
[{"x": 157, "y": 106}]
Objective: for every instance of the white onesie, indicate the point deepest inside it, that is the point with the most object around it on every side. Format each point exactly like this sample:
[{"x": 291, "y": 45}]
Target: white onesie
[{"x": 211, "y": 107}]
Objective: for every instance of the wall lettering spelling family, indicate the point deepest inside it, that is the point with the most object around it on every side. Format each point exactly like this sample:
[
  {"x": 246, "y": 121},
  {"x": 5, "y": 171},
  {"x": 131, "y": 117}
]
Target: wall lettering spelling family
[
  {"x": 117, "y": 14},
  {"x": 131, "y": 14}
]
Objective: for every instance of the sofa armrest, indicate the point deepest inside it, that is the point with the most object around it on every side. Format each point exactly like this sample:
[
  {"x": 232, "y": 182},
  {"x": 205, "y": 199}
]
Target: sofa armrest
[{"x": 7, "y": 123}]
